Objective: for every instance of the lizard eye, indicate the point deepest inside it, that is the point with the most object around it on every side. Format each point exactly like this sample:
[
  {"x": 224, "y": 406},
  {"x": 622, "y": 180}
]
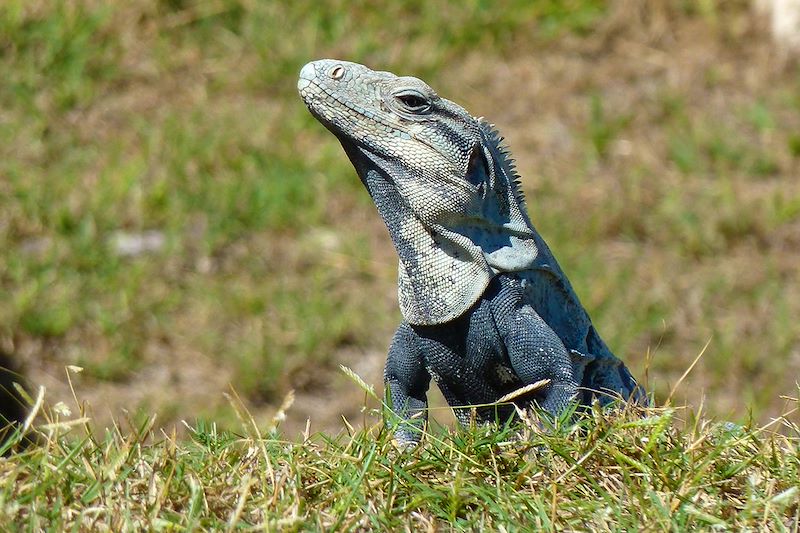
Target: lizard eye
[
  {"x": 413, "y": 101},
  {"x": 337, "y": 72}
]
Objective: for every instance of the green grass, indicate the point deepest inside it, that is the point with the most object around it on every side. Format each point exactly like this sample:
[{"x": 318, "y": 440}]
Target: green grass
[
  {"x": 666, "y": 471},
  {"x": 659, "y": 152}
]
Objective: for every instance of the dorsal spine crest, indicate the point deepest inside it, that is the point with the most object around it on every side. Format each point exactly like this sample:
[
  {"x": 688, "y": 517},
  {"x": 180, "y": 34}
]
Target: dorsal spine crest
[{"x": 505, "y": 163}]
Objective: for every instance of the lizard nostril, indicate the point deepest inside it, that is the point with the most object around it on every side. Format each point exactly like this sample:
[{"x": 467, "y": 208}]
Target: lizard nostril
[{"x": 337, "y": 72}]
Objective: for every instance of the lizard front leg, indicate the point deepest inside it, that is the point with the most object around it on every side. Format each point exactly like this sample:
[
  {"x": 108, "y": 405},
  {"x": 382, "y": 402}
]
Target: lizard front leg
[
  {"x": 407, "y": 382},
  {"x": 534, "y": 350}
]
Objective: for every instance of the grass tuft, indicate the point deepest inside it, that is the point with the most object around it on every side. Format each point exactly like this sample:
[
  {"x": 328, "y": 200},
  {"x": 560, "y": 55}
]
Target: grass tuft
[{"x": 609, "y": 470}]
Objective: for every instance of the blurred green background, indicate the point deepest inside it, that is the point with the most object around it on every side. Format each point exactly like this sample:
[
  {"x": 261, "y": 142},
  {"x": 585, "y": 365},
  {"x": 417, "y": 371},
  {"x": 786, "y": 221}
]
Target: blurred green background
[{"x": 173, "y": 220}]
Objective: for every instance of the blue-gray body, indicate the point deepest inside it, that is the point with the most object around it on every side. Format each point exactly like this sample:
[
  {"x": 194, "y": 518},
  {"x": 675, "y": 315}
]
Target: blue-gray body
[{"x": 487, "y": 309}]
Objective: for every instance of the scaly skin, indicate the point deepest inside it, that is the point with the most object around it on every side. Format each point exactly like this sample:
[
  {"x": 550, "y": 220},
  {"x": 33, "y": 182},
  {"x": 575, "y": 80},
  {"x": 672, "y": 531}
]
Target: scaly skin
[{"x": 486, "y": 307}]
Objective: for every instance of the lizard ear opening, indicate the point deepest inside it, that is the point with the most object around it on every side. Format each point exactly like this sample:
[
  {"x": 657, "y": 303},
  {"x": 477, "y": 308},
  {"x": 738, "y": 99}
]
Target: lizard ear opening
[{"x": 478, "y": 172}]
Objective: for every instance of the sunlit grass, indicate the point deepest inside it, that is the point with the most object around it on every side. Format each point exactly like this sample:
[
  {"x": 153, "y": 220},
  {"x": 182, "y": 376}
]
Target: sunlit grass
[{"x": 665, "y": 469}]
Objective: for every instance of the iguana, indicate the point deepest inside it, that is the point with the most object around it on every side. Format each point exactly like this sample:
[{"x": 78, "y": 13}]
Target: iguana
[{"x": 487, "y": 310}]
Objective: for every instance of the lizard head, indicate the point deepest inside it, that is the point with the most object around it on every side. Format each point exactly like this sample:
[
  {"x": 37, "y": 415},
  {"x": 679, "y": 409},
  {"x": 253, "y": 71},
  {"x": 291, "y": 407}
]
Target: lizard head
[
  {"x": 399, "y": 120},
  {"x": 438, "y": 176}
]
